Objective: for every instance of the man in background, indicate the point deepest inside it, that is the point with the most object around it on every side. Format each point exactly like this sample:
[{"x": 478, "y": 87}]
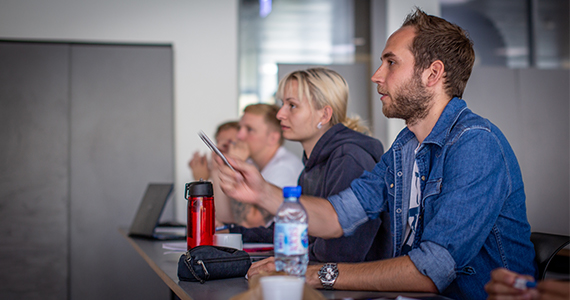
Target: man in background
[{"x": 260, "y": 142}]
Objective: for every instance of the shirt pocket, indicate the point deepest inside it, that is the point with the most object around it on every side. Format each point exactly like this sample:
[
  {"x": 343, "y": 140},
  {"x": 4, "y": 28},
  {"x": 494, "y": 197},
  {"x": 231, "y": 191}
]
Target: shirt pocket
[{"x": 432, "y": 187}]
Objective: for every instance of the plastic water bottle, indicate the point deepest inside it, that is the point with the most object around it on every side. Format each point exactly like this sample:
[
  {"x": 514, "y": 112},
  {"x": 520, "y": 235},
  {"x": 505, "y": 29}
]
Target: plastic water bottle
[{"x": 291, "y": 241}]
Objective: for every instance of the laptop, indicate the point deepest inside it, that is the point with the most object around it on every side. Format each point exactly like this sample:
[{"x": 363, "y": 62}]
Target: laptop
[{"x": 145, "y": 223}]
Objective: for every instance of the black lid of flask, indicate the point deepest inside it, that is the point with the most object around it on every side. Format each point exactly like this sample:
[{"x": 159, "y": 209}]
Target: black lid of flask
[{"x": 199, "y": 189}]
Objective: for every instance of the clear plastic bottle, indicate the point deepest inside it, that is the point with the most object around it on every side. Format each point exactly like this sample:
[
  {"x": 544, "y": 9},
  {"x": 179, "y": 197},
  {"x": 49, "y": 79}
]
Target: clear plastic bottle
[{"x": 291, "y": 241}]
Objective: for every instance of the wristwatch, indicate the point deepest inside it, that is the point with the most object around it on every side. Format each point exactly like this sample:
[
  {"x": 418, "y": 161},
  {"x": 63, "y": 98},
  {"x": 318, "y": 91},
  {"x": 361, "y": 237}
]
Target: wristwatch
[{"x": 328, "y": 274}]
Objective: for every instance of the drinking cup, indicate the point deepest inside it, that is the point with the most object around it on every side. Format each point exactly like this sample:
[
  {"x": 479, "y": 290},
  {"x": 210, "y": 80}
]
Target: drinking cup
[
  {"x": 282, "y": 287},
  {"x": 231, "y": 240}
]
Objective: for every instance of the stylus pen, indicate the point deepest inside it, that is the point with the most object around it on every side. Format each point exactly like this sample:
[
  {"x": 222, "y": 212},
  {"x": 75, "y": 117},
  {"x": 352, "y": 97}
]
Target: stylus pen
[
  {"x": 222, "y": 227},
  {"x": 523, "y": 284}
]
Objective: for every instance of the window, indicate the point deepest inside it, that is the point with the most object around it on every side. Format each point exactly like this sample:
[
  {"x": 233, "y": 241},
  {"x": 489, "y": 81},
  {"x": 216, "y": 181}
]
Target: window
[{"x": 295, "y": 32}]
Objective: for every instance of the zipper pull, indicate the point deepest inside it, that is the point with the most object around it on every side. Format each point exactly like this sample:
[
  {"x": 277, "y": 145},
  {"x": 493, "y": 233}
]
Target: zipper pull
[{"x": 207, "y": 274}]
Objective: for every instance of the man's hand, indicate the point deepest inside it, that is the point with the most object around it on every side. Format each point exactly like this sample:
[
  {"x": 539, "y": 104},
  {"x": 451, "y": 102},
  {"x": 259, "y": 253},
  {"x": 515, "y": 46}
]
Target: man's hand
[
  {"x": 199, "y": 166},
  {"x": 239, "y": 150},
  {"x": 502, "y": 284},
  {"x": 268, "y": 266},
  {"x": 312, "y": 276}
]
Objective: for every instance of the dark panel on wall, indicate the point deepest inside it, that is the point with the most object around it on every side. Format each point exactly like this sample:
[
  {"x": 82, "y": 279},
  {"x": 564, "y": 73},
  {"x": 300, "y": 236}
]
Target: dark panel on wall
[
  {"x": 34, "y": 177},
  {"x": 122, "y": 138}
]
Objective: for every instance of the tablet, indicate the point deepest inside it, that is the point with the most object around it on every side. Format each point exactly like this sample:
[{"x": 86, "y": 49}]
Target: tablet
[{"x": 215, "y": 149}]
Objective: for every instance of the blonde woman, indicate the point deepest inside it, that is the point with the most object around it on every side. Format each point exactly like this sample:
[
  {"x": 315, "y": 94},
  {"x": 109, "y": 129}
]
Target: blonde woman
[
  {"x": 314, "y": 113},
  {"x": 336, "y": 151}
]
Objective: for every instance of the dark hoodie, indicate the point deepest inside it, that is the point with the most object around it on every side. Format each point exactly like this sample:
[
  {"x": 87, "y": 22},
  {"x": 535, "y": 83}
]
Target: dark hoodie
[{"x": 340, "y": 156}]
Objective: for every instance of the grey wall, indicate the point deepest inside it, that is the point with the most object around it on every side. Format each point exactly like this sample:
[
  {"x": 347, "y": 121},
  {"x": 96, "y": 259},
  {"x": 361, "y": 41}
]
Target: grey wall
[
  {"x": 34, "y": 170},
  {"x": 531, "y": 107},
  {"x": 84, "y": 129},
  {"x": 204, "y": 35}
]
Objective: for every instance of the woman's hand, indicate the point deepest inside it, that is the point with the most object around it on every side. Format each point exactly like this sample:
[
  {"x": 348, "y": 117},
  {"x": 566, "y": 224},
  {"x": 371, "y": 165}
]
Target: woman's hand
[
  {"x": 246, "y": 185},
  {"x": 267, "y": 266}
]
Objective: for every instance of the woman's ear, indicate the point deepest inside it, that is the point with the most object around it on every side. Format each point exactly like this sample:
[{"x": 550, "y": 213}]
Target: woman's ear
[{"x": 326, "y": 117}]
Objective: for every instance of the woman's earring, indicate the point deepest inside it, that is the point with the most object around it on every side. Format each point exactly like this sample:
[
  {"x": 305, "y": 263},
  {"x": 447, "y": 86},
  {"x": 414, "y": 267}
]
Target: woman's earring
[{"x": 320, "y": 125}]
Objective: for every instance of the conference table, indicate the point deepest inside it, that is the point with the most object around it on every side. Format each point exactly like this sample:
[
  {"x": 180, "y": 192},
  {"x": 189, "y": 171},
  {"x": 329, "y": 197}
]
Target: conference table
[{"x": 164, "y": 262}]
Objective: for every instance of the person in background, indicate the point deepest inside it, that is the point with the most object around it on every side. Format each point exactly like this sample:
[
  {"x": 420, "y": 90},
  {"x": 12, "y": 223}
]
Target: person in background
[
  {"x": 314, "y": 113},
  {"x": 202, "y": 168},
  {"x": 226, "y": 135},
  {"x": 450, "y": 181},
  {"x": 260, "y": 141},
  {"x": 504, "y": 284}
]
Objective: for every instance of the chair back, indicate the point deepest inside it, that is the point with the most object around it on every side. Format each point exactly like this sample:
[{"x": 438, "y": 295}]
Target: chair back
[{"x": 546, "y": 246}]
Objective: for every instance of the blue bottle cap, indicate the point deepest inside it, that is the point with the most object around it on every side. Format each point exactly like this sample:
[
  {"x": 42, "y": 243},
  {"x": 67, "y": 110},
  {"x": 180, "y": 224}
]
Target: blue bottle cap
[{"x": 292, "y": 191}]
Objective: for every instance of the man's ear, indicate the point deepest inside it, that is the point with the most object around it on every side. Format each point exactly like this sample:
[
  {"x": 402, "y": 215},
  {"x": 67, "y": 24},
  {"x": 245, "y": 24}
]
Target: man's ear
[
  {"x": 274, "y": 137},
  {"x": 436, "y": 72}
]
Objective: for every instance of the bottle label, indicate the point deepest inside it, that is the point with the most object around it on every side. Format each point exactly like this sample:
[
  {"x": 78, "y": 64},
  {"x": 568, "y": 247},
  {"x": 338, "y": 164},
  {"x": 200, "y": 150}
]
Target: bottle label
[{"x": 291, "y": 239}]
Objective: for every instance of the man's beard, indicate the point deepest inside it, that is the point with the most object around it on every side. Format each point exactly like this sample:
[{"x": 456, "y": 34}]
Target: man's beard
[{"x": 411, "y": 102}]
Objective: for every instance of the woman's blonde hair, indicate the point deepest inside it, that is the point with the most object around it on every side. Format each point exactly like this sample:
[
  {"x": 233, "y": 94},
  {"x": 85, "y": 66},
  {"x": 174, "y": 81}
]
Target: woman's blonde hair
[{"x": 322, "y": 87}]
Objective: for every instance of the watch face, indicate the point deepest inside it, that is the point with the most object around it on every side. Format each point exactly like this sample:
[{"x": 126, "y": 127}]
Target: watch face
[{"x": 328, "y": 274}]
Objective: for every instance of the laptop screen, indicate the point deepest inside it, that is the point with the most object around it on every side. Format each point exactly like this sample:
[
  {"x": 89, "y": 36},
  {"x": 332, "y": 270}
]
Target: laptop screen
[{"x": 150, "y": 209}]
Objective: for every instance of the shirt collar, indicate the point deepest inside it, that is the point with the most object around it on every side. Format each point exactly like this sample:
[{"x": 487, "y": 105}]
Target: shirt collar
[
  {"x": 446, "y": 121},
  {"x": 442, "y": 127}
]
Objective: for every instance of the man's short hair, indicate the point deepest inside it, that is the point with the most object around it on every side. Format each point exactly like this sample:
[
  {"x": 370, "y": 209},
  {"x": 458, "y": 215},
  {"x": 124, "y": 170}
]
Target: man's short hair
[
  {"x": 269, "y": 114},
  {"x": 225, "y": 126},
  {"x": 438, "y": 39}
]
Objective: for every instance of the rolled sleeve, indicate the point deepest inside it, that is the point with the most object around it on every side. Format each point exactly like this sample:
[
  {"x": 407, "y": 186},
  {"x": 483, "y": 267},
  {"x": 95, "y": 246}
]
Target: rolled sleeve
[
  {"x": 349, "y": 210},
  {"x": 435, "y": 262}
]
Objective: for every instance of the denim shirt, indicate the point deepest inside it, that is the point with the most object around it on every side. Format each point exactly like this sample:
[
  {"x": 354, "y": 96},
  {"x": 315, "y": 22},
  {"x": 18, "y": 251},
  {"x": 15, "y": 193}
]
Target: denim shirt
[{"x": 473, "y": 214}]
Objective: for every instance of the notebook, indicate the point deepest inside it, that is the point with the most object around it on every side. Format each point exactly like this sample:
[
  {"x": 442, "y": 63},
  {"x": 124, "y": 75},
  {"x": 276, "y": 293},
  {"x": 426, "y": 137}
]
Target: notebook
[{"x": 145, "y": 223}]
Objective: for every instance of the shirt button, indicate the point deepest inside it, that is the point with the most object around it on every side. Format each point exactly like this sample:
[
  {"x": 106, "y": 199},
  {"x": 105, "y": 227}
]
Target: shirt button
[
  {"x": 391, "y": 185},
  {"x": 423, "y": 178},
  {"x": 399, "y": 210},
  {"x": 400, "y": 174}
]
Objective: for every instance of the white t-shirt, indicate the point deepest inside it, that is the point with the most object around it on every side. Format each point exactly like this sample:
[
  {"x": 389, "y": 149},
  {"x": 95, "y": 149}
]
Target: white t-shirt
[
  {"x": 283, "y": 169},
  {"x": 414, "y": 210}
]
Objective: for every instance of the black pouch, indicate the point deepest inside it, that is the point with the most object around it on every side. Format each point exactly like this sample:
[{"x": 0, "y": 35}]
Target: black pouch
[{"x": 203, "y": 263}]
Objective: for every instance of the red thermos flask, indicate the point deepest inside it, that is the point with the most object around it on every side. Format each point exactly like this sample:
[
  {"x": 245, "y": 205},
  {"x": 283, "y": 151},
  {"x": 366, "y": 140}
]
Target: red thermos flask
[{"x": 201, "y": 213}]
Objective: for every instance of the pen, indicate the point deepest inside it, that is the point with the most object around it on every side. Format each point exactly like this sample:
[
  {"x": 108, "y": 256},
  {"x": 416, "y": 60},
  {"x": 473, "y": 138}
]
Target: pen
[
  {"x": 226, "y": 226},
  {"x": 523, "y": 284}
]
